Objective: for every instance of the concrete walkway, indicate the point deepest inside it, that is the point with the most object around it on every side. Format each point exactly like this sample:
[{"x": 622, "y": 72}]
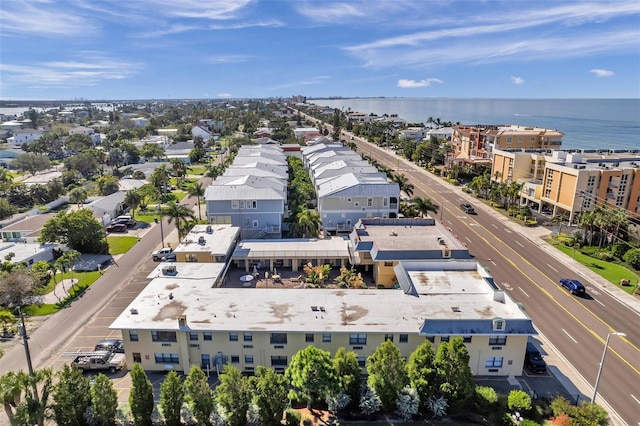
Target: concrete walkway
[{"x": 66, "y": 284}]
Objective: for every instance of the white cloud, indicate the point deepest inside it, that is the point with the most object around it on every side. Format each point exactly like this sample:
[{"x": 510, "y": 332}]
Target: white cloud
[
  {"x": 338, "y": 12},
  {"x": 242, "y": 25},
  {"x": 517, "y": 80},
  {"x": 412, "y": 84},
  {"x": 228, "y": 59},
  {"x": 602, "y": 73},
  {"x": 24, "y": 18}
]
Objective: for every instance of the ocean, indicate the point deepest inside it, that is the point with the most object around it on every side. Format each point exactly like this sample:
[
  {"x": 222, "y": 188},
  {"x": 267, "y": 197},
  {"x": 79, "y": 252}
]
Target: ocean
[{"x": 586, "y": 123}]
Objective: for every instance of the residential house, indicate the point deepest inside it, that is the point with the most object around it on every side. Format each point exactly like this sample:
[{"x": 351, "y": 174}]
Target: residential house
[
  {"x": 341, "y": 167},
  {"x": 413, "y": 133},
  {"x": 139, "y": 121},
  {"x": 306, "y": 133},
  {"x": 24, "y": 136},
  {"x": 109, "y": 207},
  {"x": 201, "y": 131},
  {"x": 8, "y": 155},
  {"x": 26, "y": 230},
  {"x": 27, "y": 253},
  {"x": 88, "y": 131},
  {"x": 208, "y": 243}
]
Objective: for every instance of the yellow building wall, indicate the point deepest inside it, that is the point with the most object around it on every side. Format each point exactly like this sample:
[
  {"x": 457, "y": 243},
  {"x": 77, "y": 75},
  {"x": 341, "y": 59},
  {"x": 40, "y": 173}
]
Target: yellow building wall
[
  {"x": 385, "y": 275},
  {"x": 500, "y": 167},
  {"x": 568, "y": 188},
  {"x": 190, "y": 256}
]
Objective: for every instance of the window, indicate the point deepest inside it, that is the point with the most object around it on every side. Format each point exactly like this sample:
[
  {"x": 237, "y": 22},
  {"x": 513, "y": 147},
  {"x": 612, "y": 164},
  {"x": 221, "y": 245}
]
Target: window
[
  {"x": 362, "y": 361},
  {"x": 192, "y": 257},
  {"x": 497, "y": 340},
  {"x": 498, "y": 324},
  {"x": 133, "y": 335},
  {"x": 205, "y": 361},
  {"x": 385, "y": 202},
  {"x": 193, "y": 336},
  {"x": 493, "y": 362},
  {"x": 404, "y": 338},
  {"x": 163, "y": 358},
  {"x": 444, "y": 339},
  {"x": 163, "y": 336},
  {"x": 254, "y": 204},
  {"x": 356, "y": 204},
  {"x": 255, "y": 223},
  {"x": 248, "y": 359},
  {"x": 466, "y": 339},
  {"x": 357, "y": 339},
  {"x": 431, "y": 338},
  {"x": 388, "y": 337},
  {"x": 388, "y": 264},
  {"x": 348, "y": 199},
  {"x": 308, "y": 337},
  {"x": 369, "y": 202},
  {"x": 207, "y": 335},
  {"x": 233, "y": 336},
  {"x": 509, "y": 139},
  {"x": 235, "y": 205},
  {"x": 235, "y": 359},
  {"x": 247, "y": 336},
  {"x": 278, "y": 360},
  {"x": 137, "y": 357},
  {"x": 278, "y": 338},
  {"x": 242, "y": 205},
  {"x": 326, "y": 337}
]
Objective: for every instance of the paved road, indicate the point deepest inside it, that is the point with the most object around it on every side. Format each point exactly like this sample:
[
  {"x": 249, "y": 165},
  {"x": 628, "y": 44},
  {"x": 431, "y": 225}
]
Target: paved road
[{"x": 530, "y": 271}]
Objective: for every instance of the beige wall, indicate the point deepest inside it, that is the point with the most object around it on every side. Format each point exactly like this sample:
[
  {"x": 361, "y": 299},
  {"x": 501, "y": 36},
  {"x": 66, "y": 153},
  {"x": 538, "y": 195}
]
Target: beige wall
[
  {"x": 189, "y": 352},
  {"x": 200, "y": 257}
]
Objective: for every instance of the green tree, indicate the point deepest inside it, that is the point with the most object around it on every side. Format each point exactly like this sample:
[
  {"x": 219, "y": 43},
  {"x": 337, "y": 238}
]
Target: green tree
[
  {"x": 349, "y": 373},
  {"x": 79, "y": 230},
  {"x": 78, "y": 143},
  {"x": 312, "y": 375},
  {"x": 171, "y": 399},
  {"x": 233, "y": 394},
  {"x": 141, "y": 397},
  {"x": 454, "y": 377},
  {"x": 6, "y": 317},
  {"x": 632, "y": 257},
  {"x": 199, "y": 395},
  {"x": 104, "y": 401},
  {"x": 108, "y": 184},
  {"x": 133, "y": 198},
  {"x": 138, "y": 174},
  {"x": 10, "y": 393},
  {"x": 387, "y": 374},
  {"x": 32, "y": 163},
  {"x": 519, "y": 400},
  {"x": 85, "y": 163},
  {"x": 71, "y": 397},
  {"x": 17, "y": 287},
  {"x": 151, "y": 150},
  {"x": 309, "y": 223},
  {"x": 6, "y": 209},
  {"x": 270, "y": 395},
  {"x": 421, "y": 372},
  {"x": 424, "y": 206},
  {"x": 34, "y": 405},
  {"x": 78, "y": 196},
  {"x": 402, "y": 181},
  {"x": 197, "y": 190},
  {"x": 180, "y": 214}
]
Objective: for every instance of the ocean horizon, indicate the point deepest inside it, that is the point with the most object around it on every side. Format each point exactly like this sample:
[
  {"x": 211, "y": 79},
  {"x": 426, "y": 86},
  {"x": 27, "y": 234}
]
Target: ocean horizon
[{"x": 586, "y": 123}]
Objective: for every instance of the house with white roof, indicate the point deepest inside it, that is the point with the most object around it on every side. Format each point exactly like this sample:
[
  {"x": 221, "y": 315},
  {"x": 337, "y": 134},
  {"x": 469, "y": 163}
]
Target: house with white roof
[
  {"x": 88, "y": 131},
  {"x": 208, "y": 244},
  {"x": 24, "y": 136},
  {"x": 201, "y": 131},
  {"x": 27, "y": 253},
  {"x": 341, "y": 167}
]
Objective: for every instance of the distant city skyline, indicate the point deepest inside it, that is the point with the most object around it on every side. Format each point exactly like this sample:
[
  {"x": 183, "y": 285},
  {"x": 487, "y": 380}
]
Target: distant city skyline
[{"x": 159, "y": 49}]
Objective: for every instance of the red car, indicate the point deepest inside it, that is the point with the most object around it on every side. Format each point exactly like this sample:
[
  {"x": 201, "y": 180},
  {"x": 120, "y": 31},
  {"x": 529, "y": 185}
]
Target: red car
[{"x": 118, "y": 227}]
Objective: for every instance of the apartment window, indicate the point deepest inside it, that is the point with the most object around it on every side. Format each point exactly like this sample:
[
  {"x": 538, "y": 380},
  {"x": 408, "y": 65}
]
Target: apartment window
[
  {"x": 278, "y": 338},
  {"x": 369, "y": 202},
  {"x": 498, "y": 324},
  {"x": 193, "y": 336},
  {"x": 466, "y": 339},
  {"x": 494, "y": 362},
  {"x": 233, "y": 336},
  {"x": 163, "y": 358},
  {"x": 431, "y": 338},
  {"x": 235, "y": 205},
  {"x": 444, "y": 339},
  {"x": 404, "y": 338},
  {"x": 235, "y": 359},
  {"x": 207, "y": 335},
  {"x": 247, "y": 336},
  {"x": 248, "y": 359},
  {"x": 520, "y": 139},
  {"x": 163, "y": 336},
  {"x": 388, "y": 337},
  {"x": 255, "y": 224},
  {"x": 205, "y": 361},
  {"x": 308, "y": 337},
  {"x": 326, "y": 337},
  {"x": 278, "y": 360},
  {"x": 356, "y": 204},
  {"x": 192, "y": 257},
  {"x": 242, "y": 205},
  {"x": 385, "y": 202},
  {"x": 133, "y": 335},
  {"x": 497, "y": 340},
  {"x": 388, "y": 264},
  {"x": 137, "y": 357},
  {"x": 348, "y": 199},
  {"x": 509, "y": 139},
  {"x": 362, "y": 361},
  {"x": 254, "y": 204},
  {"x": 357, "y": 339}
]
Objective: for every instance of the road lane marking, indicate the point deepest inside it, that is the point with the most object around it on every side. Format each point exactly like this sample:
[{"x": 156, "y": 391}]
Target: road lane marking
[
  {"x": 568, "y": 335},
  {"x": 494, "y": 225},
  {"x": 636, "y": 399},
  {"x": 599, "y": 302},
  {"x": 508, "y": 231},
  {"x": 525, "y": 293},
  {"x": 551, "y": 267},
  {"x": 494, "y": 263},
  {"x": 518, "y": 243},
  {"x": 467, "y": 238}
]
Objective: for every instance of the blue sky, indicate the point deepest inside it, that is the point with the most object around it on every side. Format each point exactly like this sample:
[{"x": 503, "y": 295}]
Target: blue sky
[{"x": 154, "y": 49}]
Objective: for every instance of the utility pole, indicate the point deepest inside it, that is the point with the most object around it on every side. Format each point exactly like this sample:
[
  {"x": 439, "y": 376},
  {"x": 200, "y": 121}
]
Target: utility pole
[{"x": 25, "y": 338}]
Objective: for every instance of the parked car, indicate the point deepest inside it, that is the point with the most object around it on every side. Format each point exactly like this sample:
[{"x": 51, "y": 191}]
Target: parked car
[
  {"x": 533, "y": 360},
  {"x": 101, "y": 360},
  {"x": 573, "y": 286},
  {"x": 127, "y": 220},
  {"x": 467, "y": 208},
  {"x": 117, "y": 227},
  {"x": 171, "y": 257},
  {"x": 159, "y": 254},
  {"x": 110, "y": 345}
]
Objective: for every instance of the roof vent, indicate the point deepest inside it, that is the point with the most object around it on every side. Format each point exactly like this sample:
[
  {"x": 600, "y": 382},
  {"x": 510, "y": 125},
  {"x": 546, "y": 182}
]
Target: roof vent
[
  {"x": 134, "y": 311},
  {"x": 314, "y": 308},
  {"x": 455, "y": 309}
]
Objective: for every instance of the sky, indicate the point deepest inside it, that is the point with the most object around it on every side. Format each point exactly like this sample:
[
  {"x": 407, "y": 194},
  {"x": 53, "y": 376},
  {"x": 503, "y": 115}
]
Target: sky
[{"x": 186, "y": 49}]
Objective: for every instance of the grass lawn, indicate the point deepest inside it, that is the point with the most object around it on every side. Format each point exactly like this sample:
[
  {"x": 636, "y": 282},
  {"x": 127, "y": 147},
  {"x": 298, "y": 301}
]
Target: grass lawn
[
  {"x": 119, "y": 245},
  {"x": 145, "y": 217},
  {"x": 180, "y": 195},
  {"x": 85, "y": 279},
  {"x": 197, "y": 170},
  {"x": 608, "y": 270}
]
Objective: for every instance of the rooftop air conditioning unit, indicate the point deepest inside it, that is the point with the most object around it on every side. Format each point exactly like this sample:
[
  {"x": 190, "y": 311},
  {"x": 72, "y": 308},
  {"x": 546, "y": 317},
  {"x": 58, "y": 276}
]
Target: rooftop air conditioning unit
[
  {"x": 169, "y": 270},
  {"x": 209, "y": 229}
]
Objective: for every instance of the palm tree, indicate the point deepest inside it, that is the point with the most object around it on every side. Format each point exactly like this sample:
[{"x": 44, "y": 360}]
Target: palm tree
[
  {"x": 425, "y": 205},
  {"x": 133, "y": 199},
  {"x": 69, "y": 258},
  {"x": 6, "y": 317},
  {"x": 78, "y": 196},
  {"x": 404, "y": 184},
  {"x": 10, "y": 393},
  {"x": 309, "y": 222},
  {"x": 197, "y": 190},
  {"x": 180, "y": 214}
]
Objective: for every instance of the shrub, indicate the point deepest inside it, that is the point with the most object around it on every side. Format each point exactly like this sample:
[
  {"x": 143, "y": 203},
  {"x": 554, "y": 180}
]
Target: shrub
[
  {"x": 292, "y": 417},
  {"x": 619, "y": 250},
  {"x": 485, "y": 398},
  {"x": 407, "y": 403},
  {"x": 632, "y": 257},
  {"x": 519, "y": 401},
  {"x": 369, "y": 401},
  {"x": 605, "y": 255}
]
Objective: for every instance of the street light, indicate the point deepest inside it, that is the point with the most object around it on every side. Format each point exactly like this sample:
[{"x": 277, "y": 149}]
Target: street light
[{"x": 604, "y": 353}]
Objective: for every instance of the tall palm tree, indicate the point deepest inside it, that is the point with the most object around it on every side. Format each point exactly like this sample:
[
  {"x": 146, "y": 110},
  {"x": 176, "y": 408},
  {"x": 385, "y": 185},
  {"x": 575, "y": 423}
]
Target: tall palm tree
[
  {"x": 6, "y": 317},
  {"x": 179, "y": 213},
  {"x": 309, "y": 222},
  {"x": 78, "y": 196},
  {"x": 197, "y": 190},
  {"x": 10, "y": 393},
  {"x": 69, "y": 258},
  {"x": 425, "y": 205},
  {"x": 133, "y": 198},
  {"x": 405, "y": 186}
]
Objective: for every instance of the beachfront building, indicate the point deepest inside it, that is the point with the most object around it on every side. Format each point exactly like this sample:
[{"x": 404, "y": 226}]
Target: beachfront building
[
  {"x": 208, "y": 244},
  {"x": 179, "y": 321},
  {"x": 572, "y": 182},
  {"x": 380, "y": 244}
]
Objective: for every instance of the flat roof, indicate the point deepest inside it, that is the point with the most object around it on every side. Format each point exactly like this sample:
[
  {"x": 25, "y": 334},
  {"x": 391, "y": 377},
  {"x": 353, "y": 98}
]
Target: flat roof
[
  {"x": 191, "y": 270},
  {"x": 217, "y": 240},
  {"x": 164, "y": 300},
  {"x": 23, "y": 251},
  {"x": 406, "y": 234},
  {"x": 309, "y": 248}
]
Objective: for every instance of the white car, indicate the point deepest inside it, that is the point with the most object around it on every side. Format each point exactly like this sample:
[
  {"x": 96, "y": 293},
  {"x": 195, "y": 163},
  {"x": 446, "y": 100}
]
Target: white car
[{"x": 159, "y": 254}]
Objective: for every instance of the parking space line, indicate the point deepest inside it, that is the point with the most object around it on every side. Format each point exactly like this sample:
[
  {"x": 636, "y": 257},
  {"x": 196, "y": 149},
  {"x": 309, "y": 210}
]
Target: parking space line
[{"x": 568, "y": 335}]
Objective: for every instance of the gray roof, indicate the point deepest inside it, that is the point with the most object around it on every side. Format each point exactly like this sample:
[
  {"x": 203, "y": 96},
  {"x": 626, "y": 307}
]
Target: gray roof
[
  {"x": 355, "y": 185},
  {"x": 110, "y": 202},
  {"x": 242, "y": 192},
  {"x": 252, "y": 181}
]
